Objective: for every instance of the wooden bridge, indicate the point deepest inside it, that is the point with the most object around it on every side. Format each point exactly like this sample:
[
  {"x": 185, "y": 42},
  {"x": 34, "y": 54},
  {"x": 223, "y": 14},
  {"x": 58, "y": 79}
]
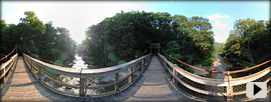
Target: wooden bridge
[{"x": 148, "y": 78}]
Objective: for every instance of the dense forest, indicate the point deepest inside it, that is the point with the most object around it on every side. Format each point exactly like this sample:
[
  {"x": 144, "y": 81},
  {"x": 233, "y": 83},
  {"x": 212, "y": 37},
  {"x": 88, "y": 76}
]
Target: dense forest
[
  {"x": 248, "y": 44},
  {"x": 43, "y": 40},
  {"x": 127, "y": 36}
]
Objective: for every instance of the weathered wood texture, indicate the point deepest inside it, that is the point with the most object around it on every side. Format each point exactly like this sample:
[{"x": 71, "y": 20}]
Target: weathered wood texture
[
  {"x": 215, "y": 88},
  {"x": 151, "y": 86},
  {"x": 23, "y": 86},
  {"x": 132, "y": 66}
]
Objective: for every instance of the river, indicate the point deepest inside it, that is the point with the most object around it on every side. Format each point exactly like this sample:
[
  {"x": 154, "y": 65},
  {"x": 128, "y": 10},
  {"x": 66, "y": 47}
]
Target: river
[
  {"x": 79, "y": 63},
  {"x": 220, "y": 65}
]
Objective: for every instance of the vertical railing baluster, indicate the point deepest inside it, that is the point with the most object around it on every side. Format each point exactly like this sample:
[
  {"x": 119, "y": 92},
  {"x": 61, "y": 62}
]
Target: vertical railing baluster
[
  {"x": 4, "y": 74},
  {"x": 31, "y": 64},
  {"x": 229, "y": 87},
  {"x": 82, "y": 91},
  {"x": 142, "y": 66},
  {"x": 173, "y": 76},
  {"x": 130, "y": 71},
  {"x": 116, "y": 80},
  {"x": 39, "y": 72}
]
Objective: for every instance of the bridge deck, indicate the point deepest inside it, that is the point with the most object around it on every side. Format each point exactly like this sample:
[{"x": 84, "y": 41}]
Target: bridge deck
[
  {"x": 151, "y": 86},
  {"x": 23, "y": 86}
]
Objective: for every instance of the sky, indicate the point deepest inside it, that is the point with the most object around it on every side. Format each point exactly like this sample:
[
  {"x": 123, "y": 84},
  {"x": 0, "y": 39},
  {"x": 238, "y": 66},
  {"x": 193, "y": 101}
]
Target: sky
[{"x": 78, "y": 16}]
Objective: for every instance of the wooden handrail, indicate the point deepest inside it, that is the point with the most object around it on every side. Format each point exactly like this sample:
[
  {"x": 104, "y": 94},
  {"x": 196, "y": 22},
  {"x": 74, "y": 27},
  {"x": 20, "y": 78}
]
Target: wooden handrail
[
  {"x": 199, "y": 83},
  {"x": 7, "y": 69},
  {"x": 213, "y": 71},
  {"x": 86, "y": 73},
  {"x": 7, "y": 55}
]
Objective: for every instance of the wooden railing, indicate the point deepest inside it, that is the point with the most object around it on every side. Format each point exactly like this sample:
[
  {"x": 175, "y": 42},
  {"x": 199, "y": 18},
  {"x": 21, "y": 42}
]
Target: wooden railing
[
  {"x": 6, "y": 69},
  {"x": 87, "y": 82},
  {"x": 203, "y": 88}
]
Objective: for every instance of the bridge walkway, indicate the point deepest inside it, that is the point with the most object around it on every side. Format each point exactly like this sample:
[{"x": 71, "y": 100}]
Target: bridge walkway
[
  {"x": 23, "y": 86},
  {"x": 151, "y": 86}
]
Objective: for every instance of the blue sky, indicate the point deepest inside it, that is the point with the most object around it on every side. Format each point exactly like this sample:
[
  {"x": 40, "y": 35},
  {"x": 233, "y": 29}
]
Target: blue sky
[{"x": 78, "y": 16}]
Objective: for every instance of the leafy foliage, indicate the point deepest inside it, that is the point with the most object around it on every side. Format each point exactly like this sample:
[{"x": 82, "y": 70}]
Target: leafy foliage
[
  {"x": 44, "y": 40},
  {"x": 249, "y": 43},
  {"x": 127, "y": 36}
]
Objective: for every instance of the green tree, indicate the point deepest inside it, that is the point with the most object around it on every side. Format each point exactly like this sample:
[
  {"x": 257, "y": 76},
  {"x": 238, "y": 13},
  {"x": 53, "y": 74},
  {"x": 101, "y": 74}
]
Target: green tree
[
  {"x": 127, "y": 36},
  {"x": 249, "y": 43},
  {"x": 43, "y": 40}
]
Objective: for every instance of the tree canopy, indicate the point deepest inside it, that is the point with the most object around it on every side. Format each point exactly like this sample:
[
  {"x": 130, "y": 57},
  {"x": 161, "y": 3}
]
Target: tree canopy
[
  {"x": 51, "y": 43},
  {"x": 249, "y": 43},
  {"x": 127, "y": 36}
]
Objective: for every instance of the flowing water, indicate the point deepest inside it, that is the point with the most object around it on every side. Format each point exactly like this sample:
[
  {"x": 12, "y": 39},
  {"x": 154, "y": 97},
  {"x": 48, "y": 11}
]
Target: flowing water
[
  {"x": 220, "y": 65},
  {"x": 79, "y": 63}
]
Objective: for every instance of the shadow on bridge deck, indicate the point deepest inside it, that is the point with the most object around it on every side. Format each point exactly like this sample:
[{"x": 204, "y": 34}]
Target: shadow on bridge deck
[
  {"x": 151, "y": 86},
  {"x": 23, "y": 86}
]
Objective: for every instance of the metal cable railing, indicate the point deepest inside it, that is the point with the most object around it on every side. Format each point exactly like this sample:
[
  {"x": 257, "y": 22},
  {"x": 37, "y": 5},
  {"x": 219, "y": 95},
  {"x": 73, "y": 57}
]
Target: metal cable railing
[
  {"x": 8, "y": 55},
  {"x": 212, "y": 71},
  {"x": 38, "y": 56},
  {"x": 208, "y": 89}
]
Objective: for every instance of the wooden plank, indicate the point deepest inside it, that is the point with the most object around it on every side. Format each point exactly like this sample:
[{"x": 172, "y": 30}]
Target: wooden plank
[{"x": 24, "y": 87}]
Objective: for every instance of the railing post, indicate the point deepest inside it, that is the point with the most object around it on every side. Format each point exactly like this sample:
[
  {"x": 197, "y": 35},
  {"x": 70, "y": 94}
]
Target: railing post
[
  {"x": 5, "y": 73},
  {"x": 82, "y": 86},
  {"x": 39, "y": 71},
  {"x": 142, "y": 65},
  {"x": 229, "y": 87},
  {"x": 174, "y": 74},
  {"x": 31, "y": 64},
  {"x": 164, "y": 63},
  {"x": 116, "y": 79},
  {"x": 210, "y": 75},
  {"x": 130, "y": 71}
]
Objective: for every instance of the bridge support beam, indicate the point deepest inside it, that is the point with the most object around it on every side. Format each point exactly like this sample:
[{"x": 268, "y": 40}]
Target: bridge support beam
[
  {"x": 142, "y": 65},
  {"x": 174, "y": 73},
  {"x": 130, "y": 71},
  {"x": 229, "y": 88},
  {"x": 173, "y": 77},
  {"x": 40, "y": 71},
  {"x": 82, "y": 90},
  {"x": 116, "y": 79},
  {"x": 31, "y": 65},
  {"x": 4, "y": 80}
]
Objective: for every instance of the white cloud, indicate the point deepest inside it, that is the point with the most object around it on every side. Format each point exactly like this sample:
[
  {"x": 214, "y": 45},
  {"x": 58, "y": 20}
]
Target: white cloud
[
  {"x": 221, "y": 26},
  {"x": 218, "y": 20},
  {"x": 217, "y": 17}
]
